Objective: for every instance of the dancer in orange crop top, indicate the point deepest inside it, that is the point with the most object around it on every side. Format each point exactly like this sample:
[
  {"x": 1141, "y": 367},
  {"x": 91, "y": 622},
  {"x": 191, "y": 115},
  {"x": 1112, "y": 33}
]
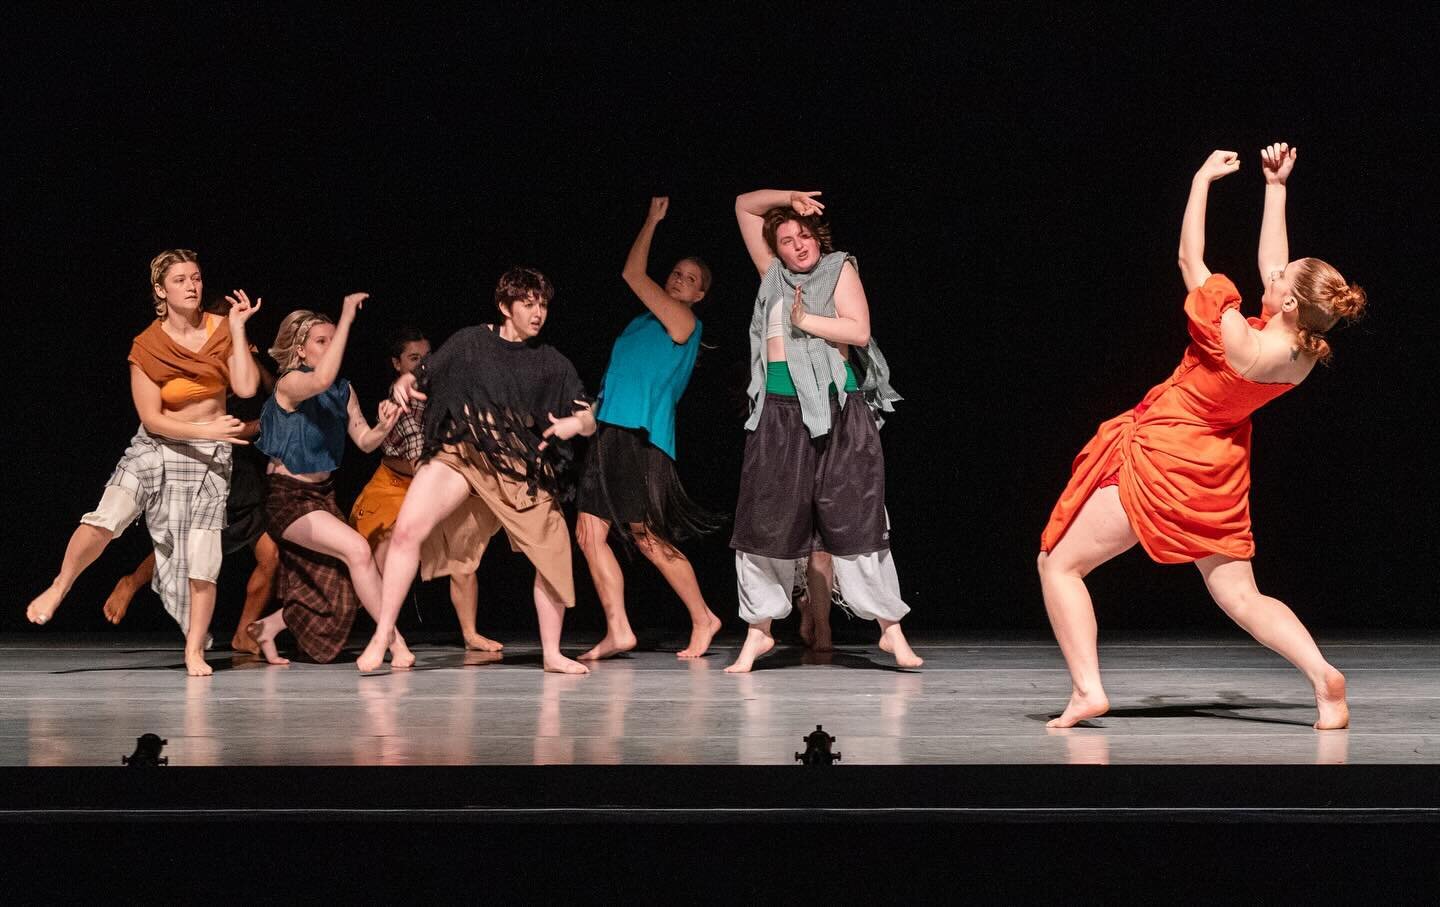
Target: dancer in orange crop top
[
  {"x": 176, "y": 470},
  {"x": 1174, "y": 473}
]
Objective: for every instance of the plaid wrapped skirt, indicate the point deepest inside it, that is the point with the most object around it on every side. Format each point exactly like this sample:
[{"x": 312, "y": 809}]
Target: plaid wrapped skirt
[{"x": 314, "y": 589}]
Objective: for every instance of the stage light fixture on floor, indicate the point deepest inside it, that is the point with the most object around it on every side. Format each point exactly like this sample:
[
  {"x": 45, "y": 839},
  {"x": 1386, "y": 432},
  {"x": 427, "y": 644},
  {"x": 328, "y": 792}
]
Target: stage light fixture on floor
[
  {"x": 817, "y": 748},
  {"x": 147, "y": 752}
]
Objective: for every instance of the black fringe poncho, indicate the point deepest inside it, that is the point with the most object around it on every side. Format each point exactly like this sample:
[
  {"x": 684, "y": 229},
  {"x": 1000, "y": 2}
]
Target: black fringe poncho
[{"x": 496, "y": 394}]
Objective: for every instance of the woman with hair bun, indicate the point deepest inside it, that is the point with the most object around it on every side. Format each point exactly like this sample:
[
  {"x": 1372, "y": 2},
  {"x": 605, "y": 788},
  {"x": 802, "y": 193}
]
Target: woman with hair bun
[
  {"x": 176, "y": 470},
  {"x": 325, "y": 566},
  {"x": 1174, "y": 472}
]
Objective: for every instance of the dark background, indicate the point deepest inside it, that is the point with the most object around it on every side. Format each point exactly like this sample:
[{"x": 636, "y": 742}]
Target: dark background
[{"x": 1011, "y": 178}]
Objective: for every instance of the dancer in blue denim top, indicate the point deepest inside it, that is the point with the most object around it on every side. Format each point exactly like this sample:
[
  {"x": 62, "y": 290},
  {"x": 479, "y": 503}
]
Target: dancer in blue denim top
[{"x": 629, "y": 481}]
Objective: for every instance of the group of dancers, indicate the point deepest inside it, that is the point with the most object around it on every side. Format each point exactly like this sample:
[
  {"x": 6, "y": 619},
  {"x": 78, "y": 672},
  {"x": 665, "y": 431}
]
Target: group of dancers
[{"x": 476, "y": 437}]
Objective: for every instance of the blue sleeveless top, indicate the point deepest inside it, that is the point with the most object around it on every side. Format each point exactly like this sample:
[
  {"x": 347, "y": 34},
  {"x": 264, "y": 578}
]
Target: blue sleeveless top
[
  {"x": 312, "y": 438},
  {"x": 647, "y": 374}
]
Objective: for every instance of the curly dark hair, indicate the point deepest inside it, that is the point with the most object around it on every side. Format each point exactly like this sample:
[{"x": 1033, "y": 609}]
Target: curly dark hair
[
  {"x": 810, "y": 222},
  {"x": 520, "y": 283}
]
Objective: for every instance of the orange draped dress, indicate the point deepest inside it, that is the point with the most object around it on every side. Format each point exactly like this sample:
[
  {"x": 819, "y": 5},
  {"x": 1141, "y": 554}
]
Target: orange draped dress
[{"x": 1181, "y": 457}]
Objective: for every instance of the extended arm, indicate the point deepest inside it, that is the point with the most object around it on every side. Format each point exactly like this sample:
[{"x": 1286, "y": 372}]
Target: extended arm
[
  {"x": 851, "y": 324},
  {"x": 366, "y": 436},
  {"x": 678, "y": 319},
  {"x": 296, "y": 386},
  {"x": 1192, "y": 227},
  {"x": 244, "y": 373},
  {"x": 1276, "y": 162},
  {"x": 750, "y": 211}
]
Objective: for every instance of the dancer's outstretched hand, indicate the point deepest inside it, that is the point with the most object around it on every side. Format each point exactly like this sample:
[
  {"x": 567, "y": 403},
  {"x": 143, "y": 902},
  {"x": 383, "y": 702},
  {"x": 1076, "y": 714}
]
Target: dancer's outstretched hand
[
  {"x": 1219, "y": 164},
  {"x": 1277, "y": 161},
  {"x": 352, "y": 304},
  {"x": 659, "y": 207},
  {"x": 805, "y": 203},
  {"x": 561, "y": 429},
  {"x": 241, "y": 308},
  {"x": 404, "y": 392}
]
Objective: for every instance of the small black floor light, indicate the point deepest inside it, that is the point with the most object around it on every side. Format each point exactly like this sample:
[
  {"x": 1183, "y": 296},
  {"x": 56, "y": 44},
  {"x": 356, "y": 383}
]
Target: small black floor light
[
  {"x": 147, "y": 752},
  {"x": 817, "y": 748}
]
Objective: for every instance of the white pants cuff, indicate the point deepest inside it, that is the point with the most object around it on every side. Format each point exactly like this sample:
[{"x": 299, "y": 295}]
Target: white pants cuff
[{"x": 763, "y": 585}]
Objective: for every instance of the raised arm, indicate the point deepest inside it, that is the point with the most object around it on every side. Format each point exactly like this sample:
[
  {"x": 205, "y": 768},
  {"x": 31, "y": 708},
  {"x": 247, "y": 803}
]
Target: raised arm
[
  {"x": 244, "y": 373},
  {"x": 750, "y": 211},
  {"x": 296, "y": 386},
  {"x": 676, "y": 316},
  {"x": 1276, "y": 162},
  {"x": 1192, "y": 227},
  {"x": 146, "y": 394},
  {"x": 851, "y": 324},
  {"x": 366, "y": 436}
]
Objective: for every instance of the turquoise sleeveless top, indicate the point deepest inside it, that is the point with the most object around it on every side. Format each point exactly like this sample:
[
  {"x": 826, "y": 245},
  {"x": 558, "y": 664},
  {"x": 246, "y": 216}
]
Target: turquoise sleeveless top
[
  {"x": 312, "y": 438},
  {"x": 647, "y": 374}
]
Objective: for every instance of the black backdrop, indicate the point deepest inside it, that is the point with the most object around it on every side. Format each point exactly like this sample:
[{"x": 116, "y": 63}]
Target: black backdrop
[{"x": 1011, "y": 179}]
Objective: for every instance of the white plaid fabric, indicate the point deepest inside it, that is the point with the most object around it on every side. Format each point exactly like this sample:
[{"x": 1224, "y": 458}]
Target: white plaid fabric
[{"x": 180, "y": 486}]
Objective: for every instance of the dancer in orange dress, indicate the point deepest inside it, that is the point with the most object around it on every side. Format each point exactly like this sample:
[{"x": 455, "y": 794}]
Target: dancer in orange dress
[{"x": 1174, "y": 473}]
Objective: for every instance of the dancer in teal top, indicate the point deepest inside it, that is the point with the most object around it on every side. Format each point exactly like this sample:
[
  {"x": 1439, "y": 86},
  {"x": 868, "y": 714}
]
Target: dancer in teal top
[{"x": 629, "y": 481}]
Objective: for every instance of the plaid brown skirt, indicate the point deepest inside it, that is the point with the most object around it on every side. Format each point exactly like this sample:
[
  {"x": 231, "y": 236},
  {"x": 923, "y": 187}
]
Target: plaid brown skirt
[{"x": 314, "y": 589}]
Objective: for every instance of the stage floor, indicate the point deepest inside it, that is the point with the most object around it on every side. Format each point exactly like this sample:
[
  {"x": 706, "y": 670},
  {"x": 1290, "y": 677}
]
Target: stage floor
[{"x": 1179, "y": 701}]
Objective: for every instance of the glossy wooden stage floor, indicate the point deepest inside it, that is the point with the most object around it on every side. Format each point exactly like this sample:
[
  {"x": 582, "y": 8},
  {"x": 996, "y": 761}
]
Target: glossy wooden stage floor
[{"x": 82, "y": 702}]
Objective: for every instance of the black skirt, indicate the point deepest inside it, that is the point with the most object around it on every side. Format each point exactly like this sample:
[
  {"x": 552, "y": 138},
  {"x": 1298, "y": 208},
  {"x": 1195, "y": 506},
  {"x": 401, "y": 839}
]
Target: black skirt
[
  {"x": 245, "y": 505},
  {"x": 627, "y": 480}
]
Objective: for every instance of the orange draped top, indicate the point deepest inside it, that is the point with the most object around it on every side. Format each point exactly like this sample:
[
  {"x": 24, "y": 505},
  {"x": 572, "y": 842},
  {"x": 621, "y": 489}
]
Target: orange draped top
[
  {"x": 184, "y": 375},
  {"x": 1182, "y": 457}
]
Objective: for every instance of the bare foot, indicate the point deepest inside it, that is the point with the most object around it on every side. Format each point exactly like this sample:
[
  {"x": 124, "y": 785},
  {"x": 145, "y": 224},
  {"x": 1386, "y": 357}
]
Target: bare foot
[
  {"x": 400, "y": 655},
  {"x": 893, "y": 641},
  {"x": 264, "y": 642},
  {"x": 757, "y": 644},
  {"x": 195, "y": 664},
  {"x": 477, "y": 643},
  {"x": 119, "y": 601},
  {"x": 1080, "y": 707},
  {"x": 820, "y": 637},
  {"x": 374, "y": 655},
  {"x": 42, "y": 608},
  {"x": 700, "y": 638},
  {"x": 559, "y": 664},
  {"x": 1330, "y": 698},
  {"x": 610, "y": 645},
  {"x": 241, "y": 642}
]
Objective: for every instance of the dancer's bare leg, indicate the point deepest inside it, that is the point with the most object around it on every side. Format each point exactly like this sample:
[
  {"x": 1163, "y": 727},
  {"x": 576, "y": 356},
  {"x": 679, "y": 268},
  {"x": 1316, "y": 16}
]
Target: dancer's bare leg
[
  {"x": 323, "y": 532},
  {"x": 1100, "y": 531},
  {"x": 678, "y": 572},
  {"x": 592, "y": 533},
  {"x": 1232, "y": 584},
  {"x": 434, "y": 494},
  {"x": 126, "y": 587},
  {"x": 465, "y": 596},
  {"x": 262, "y": 635},
  {"x": 257, "y": 592},
  {"x": 819, "y": 580},
  {"x": 892, "y": 640},
  {"x": 86, "y": 543},
  {"x": 551, "y": 613},
  {"x": 202, "y": 608},
  {"x": 758, "y": 641}
]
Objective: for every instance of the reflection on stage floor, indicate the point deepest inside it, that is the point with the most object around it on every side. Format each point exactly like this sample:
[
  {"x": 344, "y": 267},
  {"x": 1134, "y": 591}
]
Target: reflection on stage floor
[{"x": 73, "y": 702}]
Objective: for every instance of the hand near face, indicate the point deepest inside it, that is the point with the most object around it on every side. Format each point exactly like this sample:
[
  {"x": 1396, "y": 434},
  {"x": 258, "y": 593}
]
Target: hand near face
[
  {"x": 805, "y": 203},
  {"x": 797, "y": 309},
  {"x": 241, "y": 308}
]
